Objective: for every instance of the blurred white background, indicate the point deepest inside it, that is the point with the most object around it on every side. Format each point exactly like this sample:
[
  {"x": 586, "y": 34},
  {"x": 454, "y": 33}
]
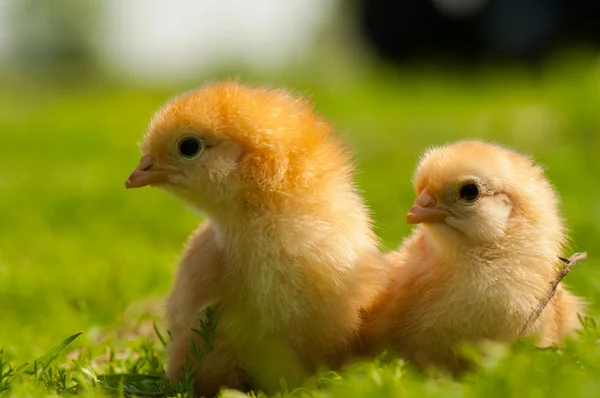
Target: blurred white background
[{"x": 163, "y": 40}]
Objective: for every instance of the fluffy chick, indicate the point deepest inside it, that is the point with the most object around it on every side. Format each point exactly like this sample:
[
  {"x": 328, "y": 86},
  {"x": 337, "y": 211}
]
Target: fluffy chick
[
  {"x": 478, "y": 263},
  {"x": 287, "y": 257}
]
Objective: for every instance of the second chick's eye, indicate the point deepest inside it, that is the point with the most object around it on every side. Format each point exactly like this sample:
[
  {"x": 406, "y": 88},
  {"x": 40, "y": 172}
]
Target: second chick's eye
[
  {"x": 469, "y": 192},
  {"x": 190, "y": 147}
]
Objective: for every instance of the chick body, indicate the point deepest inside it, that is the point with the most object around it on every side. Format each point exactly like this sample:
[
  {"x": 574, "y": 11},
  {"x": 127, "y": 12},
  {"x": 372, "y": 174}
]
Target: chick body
[
  {"x": 287, "y": 257},
  {"x": 473, "y": 270}
]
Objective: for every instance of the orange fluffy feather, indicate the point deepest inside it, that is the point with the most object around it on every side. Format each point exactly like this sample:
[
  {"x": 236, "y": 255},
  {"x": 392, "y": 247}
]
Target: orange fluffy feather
[
  {"x": 473, "y": 269},
  {"x": 287, "y": 256}
]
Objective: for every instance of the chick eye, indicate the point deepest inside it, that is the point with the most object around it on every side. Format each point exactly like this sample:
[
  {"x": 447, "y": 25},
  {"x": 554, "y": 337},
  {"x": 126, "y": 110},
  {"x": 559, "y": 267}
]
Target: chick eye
[
  {"x": 190, "y": 147},
  {"x": 469, "y": 192}
]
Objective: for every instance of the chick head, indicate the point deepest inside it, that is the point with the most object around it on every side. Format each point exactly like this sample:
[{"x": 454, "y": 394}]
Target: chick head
[
  {"x": 227, "y": 140},
  {"x": 481, "y": 191}
]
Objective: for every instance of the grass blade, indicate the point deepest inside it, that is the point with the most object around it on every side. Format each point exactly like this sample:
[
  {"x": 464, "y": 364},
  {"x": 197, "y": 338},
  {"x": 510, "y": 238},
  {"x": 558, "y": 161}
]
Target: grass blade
[
  {"x": 46, "y": 359},
  {"x": 159, "y": 335}
]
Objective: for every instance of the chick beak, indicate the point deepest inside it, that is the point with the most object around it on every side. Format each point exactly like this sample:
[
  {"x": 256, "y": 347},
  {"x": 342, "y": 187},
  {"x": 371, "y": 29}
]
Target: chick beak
[
  {"x": 147, "y": 174},
  {"x": 425, "y": 210}
]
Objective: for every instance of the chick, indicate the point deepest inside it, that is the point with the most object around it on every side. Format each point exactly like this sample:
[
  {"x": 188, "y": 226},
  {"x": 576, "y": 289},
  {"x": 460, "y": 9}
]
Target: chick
[
  {"x": 479, "y": 262},
  {"x": 287, "y": 257}
]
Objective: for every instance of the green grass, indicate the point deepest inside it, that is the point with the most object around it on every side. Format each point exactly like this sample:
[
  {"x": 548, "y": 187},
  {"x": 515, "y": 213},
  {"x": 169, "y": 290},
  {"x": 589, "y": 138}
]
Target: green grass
[{"x": 80, "y": 254}]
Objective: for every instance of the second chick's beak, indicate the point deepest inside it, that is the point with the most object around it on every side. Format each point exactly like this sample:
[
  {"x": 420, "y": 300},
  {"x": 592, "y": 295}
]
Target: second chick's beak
[
  {"x": 426, "y": 210},
  {"x": 147, "y": 174}
]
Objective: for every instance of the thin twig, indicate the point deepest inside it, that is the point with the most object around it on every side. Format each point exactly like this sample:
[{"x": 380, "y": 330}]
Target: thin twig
[{"x": 570, "y": 263}]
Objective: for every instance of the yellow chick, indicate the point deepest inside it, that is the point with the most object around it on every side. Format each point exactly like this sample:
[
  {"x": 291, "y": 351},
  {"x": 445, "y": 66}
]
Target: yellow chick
[
  {"x": 479, "y": 262},
  {"x": 287, "y": 257}
]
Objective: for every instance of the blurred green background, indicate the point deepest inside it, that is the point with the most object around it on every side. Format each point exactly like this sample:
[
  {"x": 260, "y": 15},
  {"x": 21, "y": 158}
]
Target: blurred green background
[{"x": 78, "y": 252}]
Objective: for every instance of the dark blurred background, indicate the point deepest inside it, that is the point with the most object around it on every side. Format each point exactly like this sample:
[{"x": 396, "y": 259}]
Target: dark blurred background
[{"x": 469, "y": 30}]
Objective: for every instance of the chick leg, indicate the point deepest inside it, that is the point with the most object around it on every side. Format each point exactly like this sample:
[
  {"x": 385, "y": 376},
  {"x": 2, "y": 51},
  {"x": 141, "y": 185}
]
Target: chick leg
[
  {"x": 273, "y": 365},
  {"x": 219, "y": 369}
]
